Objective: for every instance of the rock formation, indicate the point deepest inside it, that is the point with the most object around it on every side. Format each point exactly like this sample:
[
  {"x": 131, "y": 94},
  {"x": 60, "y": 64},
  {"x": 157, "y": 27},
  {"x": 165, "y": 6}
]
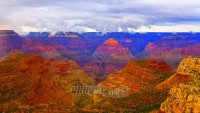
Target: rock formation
[
  {"x": 111, "y": 50},
  {"x": 185, "y": 97},
  {"x": 28, "y": 82},
  {"x": 137, "y": 79},
  {"x": 109, "y": 57},
  {"x": 136, "y": 75}
]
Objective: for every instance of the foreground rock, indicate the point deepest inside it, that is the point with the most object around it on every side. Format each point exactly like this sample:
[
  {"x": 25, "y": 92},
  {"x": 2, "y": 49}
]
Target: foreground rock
[
  {"x": 185, "y": 97},
  {"x": 138, "y": 80},
  {"x": 33, "y": 84}
]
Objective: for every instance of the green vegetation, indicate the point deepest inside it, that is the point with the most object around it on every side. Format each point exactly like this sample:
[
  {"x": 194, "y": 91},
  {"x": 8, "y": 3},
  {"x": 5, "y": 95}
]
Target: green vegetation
[{"x": 143, "y": 102}]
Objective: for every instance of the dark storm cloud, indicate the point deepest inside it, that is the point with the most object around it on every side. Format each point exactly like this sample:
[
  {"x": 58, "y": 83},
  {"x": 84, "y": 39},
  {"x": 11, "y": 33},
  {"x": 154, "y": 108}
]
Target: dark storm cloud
[{"x": 101, "y": 15}]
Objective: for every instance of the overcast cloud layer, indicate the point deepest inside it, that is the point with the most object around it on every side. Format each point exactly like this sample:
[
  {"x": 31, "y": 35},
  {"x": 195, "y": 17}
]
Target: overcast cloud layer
[{"x": 100, "y": 15}]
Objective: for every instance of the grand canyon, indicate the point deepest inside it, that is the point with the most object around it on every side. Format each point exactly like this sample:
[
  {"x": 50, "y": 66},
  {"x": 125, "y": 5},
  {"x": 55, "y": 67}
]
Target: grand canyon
[
  {"x": 159, "y": 72},
  {"x": 99, "y": 56}
]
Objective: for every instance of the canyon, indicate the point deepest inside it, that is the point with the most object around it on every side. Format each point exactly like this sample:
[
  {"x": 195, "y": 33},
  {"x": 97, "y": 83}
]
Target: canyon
[{"x": 159, "y": 72}]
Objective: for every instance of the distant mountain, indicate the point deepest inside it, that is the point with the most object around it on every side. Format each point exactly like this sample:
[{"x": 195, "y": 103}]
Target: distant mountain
[
  {"x": 108, "y": 58},
  {"x": 100, "y": 54},
  {"x": 32, "y": 46},
  {"x": 167, "y": 45},
  {"x": 9, "y": 40},
  {"x": 112, "y": 50},
  {"x": 8, "y": 34},
  {"x": 172, "y": 49},
  {"x": 49, "y": 50},
  {"x": 174, "y": 56}
]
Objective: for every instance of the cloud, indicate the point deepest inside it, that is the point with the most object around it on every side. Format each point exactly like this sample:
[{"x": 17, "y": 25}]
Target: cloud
[
  {"x": 168, "y": 28},
  {"x": 98, "y": 15}
]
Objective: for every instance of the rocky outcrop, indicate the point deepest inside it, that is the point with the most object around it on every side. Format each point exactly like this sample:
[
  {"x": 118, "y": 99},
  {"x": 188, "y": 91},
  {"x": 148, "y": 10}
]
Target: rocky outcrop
[
  {"x": 29, "y": 81},
  {"x": 185, "y": 97},
  {"x": 173, "y": 80},
  {"x": 190, "y": 66},
  {"x": 136, "y": 77}
]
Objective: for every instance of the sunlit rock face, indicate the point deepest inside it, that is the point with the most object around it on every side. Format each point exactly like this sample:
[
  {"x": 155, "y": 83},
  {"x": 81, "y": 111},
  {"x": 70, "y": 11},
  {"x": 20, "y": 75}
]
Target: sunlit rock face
[
  {"x": 185, "y": 97},
  {"x": 190, "y": 66},
  {"x": 186, "y": 71}
]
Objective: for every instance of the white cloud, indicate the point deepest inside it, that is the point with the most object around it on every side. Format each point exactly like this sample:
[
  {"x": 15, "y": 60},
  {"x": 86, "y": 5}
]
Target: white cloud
[
  {"x": 169, "y": 28},
  {"x": 86, "y": 29},
  {"x": 26, "y": 29},
  {"x": 100, "y": 15},
  {"x": 120, "y": 29}
]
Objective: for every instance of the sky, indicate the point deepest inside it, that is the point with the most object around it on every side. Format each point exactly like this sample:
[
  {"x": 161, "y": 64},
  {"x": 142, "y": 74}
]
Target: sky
[{"x": 100, "y": 15}]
